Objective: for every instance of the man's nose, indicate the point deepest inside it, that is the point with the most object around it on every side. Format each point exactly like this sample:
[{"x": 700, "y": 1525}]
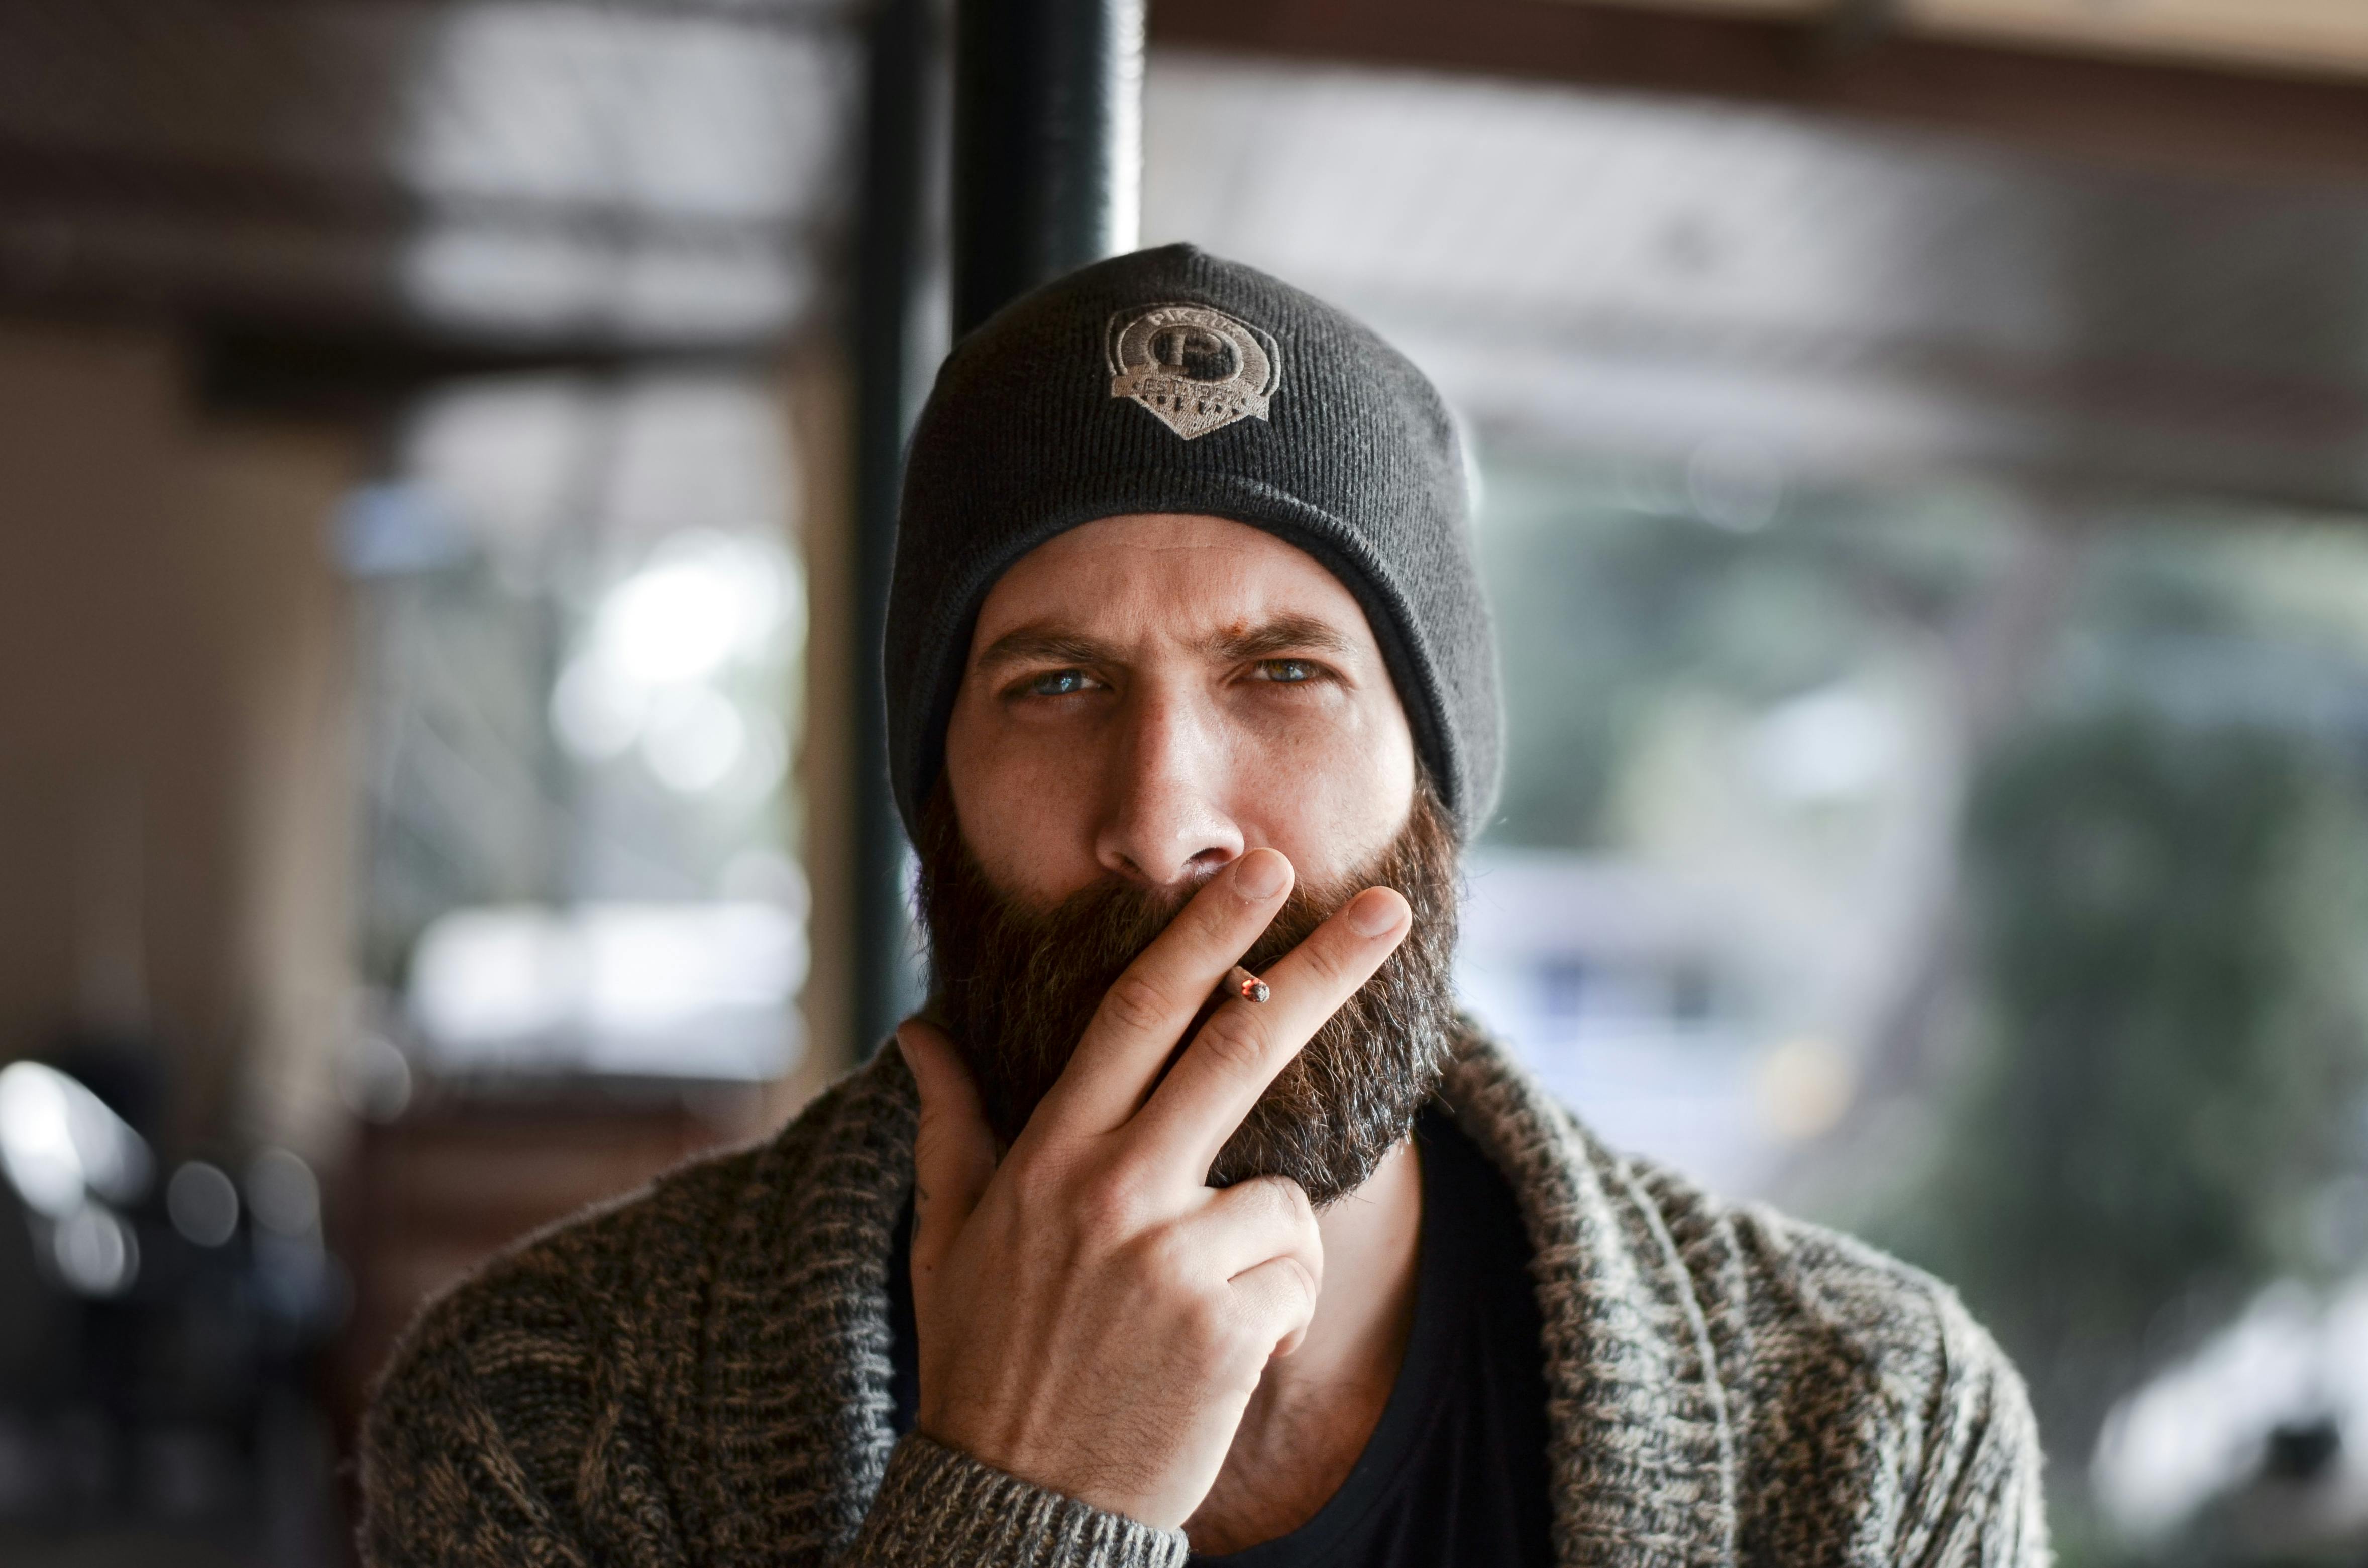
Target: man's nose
[{"x": 1165, "y": 824}]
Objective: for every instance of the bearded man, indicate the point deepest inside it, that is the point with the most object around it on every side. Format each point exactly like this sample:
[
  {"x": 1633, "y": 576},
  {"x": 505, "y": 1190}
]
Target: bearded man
[{"x": 1190, "y": 1219}]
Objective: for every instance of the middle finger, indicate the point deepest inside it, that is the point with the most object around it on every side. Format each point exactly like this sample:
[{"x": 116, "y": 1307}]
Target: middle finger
[
  {"x": 1135, "y": 1030},
  {"x": 1239, "y": 1051}
]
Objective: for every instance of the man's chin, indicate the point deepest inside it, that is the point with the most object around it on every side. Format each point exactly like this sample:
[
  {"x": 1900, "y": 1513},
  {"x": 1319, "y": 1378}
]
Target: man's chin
[
  {"x": 1327, "y": 1162},
  {"x": 1350, "y": 1097}
]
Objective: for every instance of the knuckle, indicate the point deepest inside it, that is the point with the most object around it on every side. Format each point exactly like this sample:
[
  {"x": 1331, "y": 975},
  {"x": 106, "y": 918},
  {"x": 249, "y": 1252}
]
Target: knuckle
[
  {"x": 1234, "y": 1042},
  {"x": 1275, "y": 1202},
  {"x": 1032, "y": 1173},
  {"x": 1298, "y": 1208},
  {"x": 1163, "y": 1260},
  {"x": 1304, "y": 1302},
  {"x": 1044, "y": 1184},
  {"x": 1288, "y": 1194},
  {"x": 1289, "y": 1302},
  {"x": 1215, "y": 922},
  {"x": 1024, "y": 1182},
  {"x": 1111, "y": 1205},
  {"x": 1326, "y": 963},
  {"x": 1255, "y": 1329},
  {"x": 1207, "y": 918},
  {"x": 1211, "y": 1323},
  {"x": 1137, "y": 1002}
]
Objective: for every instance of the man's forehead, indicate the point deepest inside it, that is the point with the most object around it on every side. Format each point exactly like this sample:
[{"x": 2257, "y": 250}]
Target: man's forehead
[{"x": 1196, "y": 582}]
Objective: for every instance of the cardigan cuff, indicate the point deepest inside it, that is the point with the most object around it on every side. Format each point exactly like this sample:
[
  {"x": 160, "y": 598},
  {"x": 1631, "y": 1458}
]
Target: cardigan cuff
[{"x": 938, "y": 1505}]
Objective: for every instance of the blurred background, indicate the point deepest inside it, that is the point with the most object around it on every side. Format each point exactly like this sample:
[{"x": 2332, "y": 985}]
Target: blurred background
[{"x": 446, "y": 460}]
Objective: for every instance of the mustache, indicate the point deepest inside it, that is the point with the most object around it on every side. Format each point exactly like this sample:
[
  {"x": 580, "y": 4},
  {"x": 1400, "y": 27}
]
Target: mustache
[{"x": 1017, "y": 984}]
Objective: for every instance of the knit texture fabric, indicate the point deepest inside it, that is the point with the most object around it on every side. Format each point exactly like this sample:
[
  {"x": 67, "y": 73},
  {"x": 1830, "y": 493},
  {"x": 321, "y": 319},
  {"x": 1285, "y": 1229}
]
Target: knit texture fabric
[
  {"x": 699, "y": 1375},
  {"x": 1072, "y": 404}
]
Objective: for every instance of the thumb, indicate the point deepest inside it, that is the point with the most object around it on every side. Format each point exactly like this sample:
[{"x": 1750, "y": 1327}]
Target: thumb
[{"x": 953, "y": 1153}]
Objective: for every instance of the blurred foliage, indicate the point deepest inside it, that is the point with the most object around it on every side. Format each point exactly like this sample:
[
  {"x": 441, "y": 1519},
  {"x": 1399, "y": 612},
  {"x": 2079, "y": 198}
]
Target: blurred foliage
[
  {"x": 1616, "y": 593},
  {"x": 2162, "y": 1081},
  {"x": 2166, "y": 904},
  {"x": 2149, "y": 1072}
]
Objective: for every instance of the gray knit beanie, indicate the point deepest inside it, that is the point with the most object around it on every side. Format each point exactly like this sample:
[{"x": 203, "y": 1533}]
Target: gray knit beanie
[{"x": 1173, "y": 381}]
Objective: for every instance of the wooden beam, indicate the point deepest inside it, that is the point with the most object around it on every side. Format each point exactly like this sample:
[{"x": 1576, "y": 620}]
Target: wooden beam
[
  {"x": 2184, "y": 117},
  {"x": 2322, "y": 37}
]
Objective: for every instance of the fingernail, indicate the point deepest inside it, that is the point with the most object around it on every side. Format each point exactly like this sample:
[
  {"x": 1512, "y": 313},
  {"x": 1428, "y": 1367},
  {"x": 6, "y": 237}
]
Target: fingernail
[
  {"x": 1261, "y": 875},
  {"x": 1376, "y": 912}
]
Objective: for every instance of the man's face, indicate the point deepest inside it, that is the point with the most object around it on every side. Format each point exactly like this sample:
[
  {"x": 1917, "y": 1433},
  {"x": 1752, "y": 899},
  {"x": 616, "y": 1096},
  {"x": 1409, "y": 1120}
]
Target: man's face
[{"x": 1149, "y": 697}]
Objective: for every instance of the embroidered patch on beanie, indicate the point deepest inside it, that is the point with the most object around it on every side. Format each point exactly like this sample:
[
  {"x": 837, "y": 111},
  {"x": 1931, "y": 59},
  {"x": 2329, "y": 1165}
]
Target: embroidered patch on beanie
[{"x": 1197, "y": 368}]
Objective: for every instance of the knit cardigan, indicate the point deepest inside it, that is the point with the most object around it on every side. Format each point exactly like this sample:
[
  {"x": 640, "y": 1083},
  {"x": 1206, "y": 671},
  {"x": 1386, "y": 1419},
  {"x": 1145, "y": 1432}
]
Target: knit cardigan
[{"x": 699, "y": 1375}]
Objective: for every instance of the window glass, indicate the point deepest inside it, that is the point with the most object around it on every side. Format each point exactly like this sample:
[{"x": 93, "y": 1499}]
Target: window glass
[{"x": 583, "y": 624}]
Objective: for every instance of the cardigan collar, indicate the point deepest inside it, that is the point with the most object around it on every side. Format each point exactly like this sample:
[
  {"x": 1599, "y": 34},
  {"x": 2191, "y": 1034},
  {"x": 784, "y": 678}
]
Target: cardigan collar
[{"x": 1643, "y": 1451}]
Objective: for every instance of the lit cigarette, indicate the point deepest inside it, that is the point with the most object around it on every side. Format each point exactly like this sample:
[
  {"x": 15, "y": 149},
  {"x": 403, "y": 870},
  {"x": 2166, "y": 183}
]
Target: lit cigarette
[{"x": 1245, "y": 985}]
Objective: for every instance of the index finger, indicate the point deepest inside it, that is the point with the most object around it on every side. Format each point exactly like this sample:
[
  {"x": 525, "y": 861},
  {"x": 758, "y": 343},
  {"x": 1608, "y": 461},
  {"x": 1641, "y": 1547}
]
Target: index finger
[
  {"x": 1137, "y": 1026},
  {"x": 1239, "y": 1051}
]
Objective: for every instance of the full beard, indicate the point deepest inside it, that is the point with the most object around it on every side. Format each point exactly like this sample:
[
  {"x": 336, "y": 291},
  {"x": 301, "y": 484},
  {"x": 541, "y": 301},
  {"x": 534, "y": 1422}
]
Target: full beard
[{"x": 1016, "y": 985}]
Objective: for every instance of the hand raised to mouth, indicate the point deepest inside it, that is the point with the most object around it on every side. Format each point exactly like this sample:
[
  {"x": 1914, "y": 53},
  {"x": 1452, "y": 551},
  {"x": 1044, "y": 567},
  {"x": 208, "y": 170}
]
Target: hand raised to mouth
[{"x": 1093, "y": 1317}]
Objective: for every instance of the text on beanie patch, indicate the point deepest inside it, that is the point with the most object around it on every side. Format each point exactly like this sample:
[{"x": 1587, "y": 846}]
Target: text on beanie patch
[{"x": 1199, "y": 369}]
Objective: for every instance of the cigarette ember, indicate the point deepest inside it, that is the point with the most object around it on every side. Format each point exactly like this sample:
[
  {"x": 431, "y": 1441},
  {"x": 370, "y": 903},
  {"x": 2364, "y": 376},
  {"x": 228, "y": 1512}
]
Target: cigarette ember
[{"x": 1245, "y": 985}]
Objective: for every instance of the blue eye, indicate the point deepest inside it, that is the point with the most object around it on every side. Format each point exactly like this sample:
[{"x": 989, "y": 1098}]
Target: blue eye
[
  {"x": 1288, "y": 672},
  {"x": 1058, "y": 683}
]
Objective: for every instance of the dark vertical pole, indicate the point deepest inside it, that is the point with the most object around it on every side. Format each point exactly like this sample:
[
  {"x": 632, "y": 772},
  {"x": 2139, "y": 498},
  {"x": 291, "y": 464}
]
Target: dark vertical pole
[
  {"x": 1046, "y": 172},
  {"x": 1048, "y": 116},
  {"x": 892, "y": 269}
]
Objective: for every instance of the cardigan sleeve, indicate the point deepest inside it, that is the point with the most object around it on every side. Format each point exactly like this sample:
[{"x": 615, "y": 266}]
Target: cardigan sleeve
[
  {"x": 1878, "y": 1425},
  {"x": 500, "y": 1436},
  {"x": 444, "y": 1483},
  {"x": 1979, "y": 1501},
  {"x": 505, "y": 1430},
  {"x": 442, "y": 1486},
  {"x": 938, "y": 1507}
]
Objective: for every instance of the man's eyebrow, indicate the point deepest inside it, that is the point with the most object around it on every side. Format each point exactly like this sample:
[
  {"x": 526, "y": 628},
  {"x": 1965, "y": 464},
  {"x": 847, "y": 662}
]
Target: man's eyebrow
[
  {"x": 1284, "y": 635},
  {"x": 1039, "y": 644}
]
